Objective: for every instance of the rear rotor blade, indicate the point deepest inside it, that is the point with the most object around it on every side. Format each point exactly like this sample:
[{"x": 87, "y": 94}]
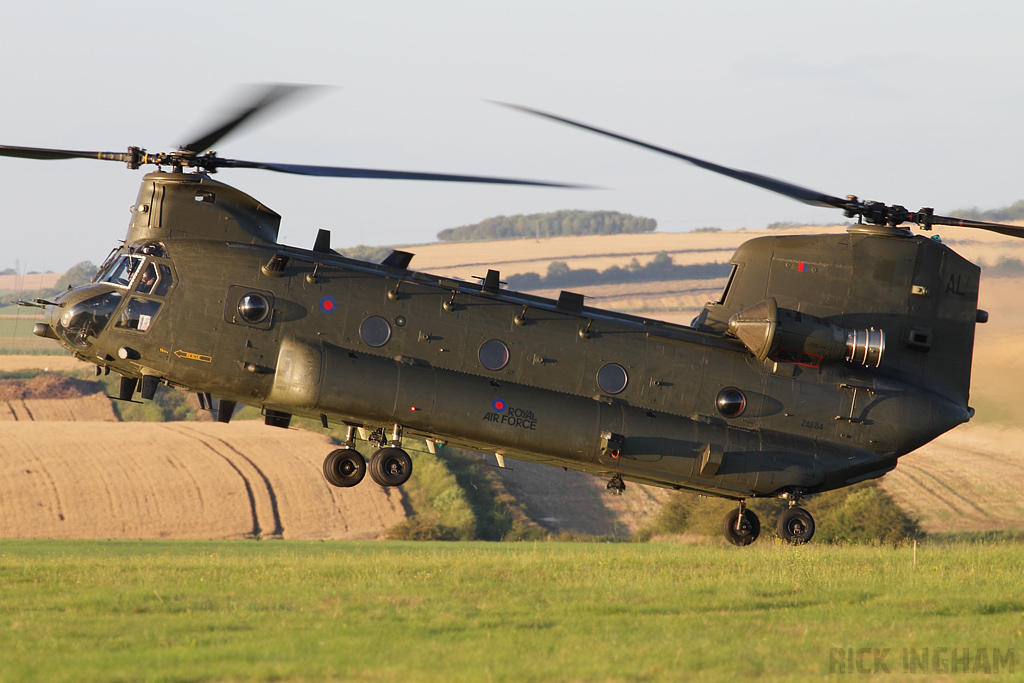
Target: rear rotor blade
[
  {"x": 1011, "y": 230},
  {"x": 801, "y": 194},
  {"x": 267, "y": 96},
  {"x": 345, "y": 172}
]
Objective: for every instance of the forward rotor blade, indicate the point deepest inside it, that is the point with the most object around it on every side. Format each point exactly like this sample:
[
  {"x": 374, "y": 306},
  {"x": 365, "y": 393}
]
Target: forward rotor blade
[
  {"x": 790, "y": 190},
  {"x": 53, "y": 154},
  {"x": 268, "y": 95},
  {"x": 343, "y": 172}
]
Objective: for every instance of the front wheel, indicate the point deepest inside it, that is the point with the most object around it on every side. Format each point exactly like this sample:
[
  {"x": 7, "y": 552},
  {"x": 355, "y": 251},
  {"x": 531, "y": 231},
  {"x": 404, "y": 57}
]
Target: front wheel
[
  {"x": 344, "y": 467},
  {"x": 795, "y": 526},
  {"x": 390, "y": 466},
  {"x": 741, "y": 531}
]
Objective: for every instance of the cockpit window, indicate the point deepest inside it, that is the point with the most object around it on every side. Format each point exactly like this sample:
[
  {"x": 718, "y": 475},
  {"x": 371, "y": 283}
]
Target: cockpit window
[
  {"x": 149, "y": 249},
  {"x": 728, "y": 284},
  {"x": 80, "y": 324},
  {"x": 156, "y": 279},
  {"x": 111, "y": 257},
  {"x": 122, "y": 270},
  {"x": 138, "y": 314},
  {"x": 166, "y": 280},
  {"x": 148, "y": 280}
]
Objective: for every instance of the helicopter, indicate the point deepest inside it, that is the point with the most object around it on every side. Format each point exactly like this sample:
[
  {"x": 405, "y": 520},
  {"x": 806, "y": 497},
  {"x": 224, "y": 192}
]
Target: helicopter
[{"x": 824, "y": 360}]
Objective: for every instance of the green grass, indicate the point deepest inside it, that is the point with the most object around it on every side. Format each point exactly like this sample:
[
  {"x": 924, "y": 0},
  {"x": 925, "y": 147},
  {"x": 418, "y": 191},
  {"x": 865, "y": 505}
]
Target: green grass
[
  {"x": 16, "y": 334},
  {"x": 196, "y": 611}
]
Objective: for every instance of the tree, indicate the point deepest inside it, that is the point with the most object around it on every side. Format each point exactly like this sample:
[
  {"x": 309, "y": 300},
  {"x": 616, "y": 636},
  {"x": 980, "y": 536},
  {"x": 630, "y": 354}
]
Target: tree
[{"x": 77, "y": 275}]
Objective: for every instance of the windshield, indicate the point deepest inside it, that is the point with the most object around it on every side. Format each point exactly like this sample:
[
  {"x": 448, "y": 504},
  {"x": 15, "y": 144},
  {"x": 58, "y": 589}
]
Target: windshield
[
  {"x": 121, "y": 271},
  {"x": 80, "y": 324}
]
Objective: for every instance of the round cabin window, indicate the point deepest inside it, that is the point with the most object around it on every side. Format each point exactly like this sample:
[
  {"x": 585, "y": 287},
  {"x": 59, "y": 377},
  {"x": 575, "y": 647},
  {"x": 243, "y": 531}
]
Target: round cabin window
[
  {"x": 493, "y": 354},
  {"x": 375, "y": 331},
  {"x": 612, "y": 378},
  {"x": 731, "y": 402},
  {"x": 253, "y": 308}
]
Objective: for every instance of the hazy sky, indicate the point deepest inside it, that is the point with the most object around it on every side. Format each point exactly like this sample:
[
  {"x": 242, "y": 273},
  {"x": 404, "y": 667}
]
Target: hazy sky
[{"x": 918, "y": 103}]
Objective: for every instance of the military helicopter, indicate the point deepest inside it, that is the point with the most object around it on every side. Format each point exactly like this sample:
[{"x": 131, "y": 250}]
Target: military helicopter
[{"x": 825, "y": 359}]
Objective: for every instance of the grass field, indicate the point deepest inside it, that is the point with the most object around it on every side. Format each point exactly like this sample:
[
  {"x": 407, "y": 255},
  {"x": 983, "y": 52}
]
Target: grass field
[{"x": 196, "y": 611}]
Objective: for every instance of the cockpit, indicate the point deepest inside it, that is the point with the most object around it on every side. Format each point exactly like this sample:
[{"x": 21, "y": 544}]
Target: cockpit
[{"x": 130, "y": 288}]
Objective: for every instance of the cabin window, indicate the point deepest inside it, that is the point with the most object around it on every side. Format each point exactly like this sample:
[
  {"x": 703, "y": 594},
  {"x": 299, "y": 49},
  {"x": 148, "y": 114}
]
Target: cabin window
[
  {"x": 253, "y": 308},
  {"x": 493, "y": 354},
  {"x": 375, "y": 331},
  {"x": 731, "y": 402},
  {"x": 612, "y": 378}
]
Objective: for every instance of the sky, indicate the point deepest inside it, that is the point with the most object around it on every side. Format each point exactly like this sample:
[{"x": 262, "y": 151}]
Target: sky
[{"x": 916, "y": 103}]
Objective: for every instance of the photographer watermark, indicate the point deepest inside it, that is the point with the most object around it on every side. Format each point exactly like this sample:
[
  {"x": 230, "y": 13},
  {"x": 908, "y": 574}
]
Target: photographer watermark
[{"x": 922, "y": 660}]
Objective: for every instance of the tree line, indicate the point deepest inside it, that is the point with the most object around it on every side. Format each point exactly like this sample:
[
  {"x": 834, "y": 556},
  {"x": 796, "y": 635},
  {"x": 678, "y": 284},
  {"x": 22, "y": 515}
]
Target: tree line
[{"x": 553, "y": 224}]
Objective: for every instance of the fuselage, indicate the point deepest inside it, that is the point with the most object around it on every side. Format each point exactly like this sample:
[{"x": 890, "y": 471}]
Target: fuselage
[{"x": 498, "y": 371}]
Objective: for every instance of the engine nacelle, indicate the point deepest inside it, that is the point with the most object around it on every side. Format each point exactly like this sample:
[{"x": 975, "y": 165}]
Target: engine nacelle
[{"x": 793, "y": 337}]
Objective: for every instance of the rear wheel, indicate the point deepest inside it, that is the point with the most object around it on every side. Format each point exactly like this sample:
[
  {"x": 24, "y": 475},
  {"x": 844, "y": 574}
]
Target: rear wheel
[
  {"x": 795, "y": 526},
  {"x": 390, "y": 466},
  {"x": 344, "y": 467}
]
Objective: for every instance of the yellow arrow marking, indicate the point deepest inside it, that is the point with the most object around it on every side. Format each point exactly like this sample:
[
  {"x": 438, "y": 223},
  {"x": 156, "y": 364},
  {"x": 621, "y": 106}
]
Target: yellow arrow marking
[{"x": 193, "y": 356}]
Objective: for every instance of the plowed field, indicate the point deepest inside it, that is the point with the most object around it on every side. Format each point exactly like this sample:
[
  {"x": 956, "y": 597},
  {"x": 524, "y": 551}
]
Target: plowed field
[
  {"x": 969, "y": 479},
  {"x": 179, "y": 480}
]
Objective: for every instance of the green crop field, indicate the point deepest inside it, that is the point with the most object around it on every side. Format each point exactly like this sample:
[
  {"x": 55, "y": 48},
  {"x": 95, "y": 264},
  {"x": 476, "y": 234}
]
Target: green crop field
[{"x": 279, "y": 610}]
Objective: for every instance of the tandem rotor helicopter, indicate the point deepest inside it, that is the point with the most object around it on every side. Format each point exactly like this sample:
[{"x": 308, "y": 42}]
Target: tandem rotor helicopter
[{"x": 825, "y": 359}]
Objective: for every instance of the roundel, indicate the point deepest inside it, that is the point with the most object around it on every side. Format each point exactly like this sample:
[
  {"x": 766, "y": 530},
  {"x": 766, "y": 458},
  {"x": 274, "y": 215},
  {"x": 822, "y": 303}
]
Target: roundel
[
  {"x": 499, "y": 405},
  {"x": 328, "y": 304}
]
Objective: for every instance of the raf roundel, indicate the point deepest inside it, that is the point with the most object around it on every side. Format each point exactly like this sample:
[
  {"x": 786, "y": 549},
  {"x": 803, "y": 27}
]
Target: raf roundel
[
  {"x": 328, "y": 304},
  {"x": 499, "y": 405}
]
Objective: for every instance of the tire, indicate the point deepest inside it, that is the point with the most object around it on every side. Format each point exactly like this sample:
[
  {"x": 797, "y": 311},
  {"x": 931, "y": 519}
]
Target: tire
[
  {"x": 749, "y": 530},
  {"x": 795, "y": 526},
  {"x": 344, "y": 467},
  {"x": 390, "y": 466}
]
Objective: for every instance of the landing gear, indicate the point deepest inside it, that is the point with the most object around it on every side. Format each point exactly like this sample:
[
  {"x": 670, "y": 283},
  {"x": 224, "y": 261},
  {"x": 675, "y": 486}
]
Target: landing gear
[
  {"x": 344, "y": 467},
  {"x": 795, "y": 526},
  {"x": 741, "y": 526},
  {"x": 390, "y": 466},
  {"x": 616, "y": 485}
]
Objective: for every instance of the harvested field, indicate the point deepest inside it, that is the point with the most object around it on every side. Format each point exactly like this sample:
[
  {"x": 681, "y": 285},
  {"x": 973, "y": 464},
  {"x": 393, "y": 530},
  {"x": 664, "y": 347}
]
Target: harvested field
[
  {"x": 969, "y": 479},
  {"x": 179, "y": 480},
  {"x": 675, "y": 300},
  {"x": 95, "y": 408},
  {"x": 512, "y": 257},
  {"x": 49, "y": 398}
]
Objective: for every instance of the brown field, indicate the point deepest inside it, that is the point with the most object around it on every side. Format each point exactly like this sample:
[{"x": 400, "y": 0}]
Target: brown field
[
  {"x": 95, "y": 408},
  {"x": 969, "y": 479},
  {"x": 179, "y": 480},
  {"x": 29, "y": 283},
  {"x": 512, "y": 257}
]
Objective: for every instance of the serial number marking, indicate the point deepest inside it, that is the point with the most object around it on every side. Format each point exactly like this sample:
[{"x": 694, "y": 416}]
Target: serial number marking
[{"x": 812, "y": 425}]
